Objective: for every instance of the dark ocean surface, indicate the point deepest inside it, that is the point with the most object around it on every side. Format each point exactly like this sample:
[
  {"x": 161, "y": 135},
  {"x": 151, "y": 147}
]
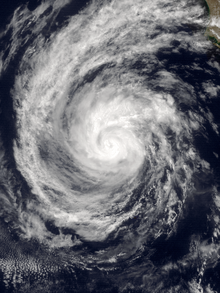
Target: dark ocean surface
[{"x": 109, "y": 147}]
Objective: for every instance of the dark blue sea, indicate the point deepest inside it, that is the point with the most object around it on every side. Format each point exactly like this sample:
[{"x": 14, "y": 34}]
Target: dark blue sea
[{"x": 109, "y": 147}]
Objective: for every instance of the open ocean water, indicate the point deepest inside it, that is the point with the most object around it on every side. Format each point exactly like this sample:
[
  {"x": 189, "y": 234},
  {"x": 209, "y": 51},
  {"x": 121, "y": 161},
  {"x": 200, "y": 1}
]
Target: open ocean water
[{"x": 109, "y": 147}]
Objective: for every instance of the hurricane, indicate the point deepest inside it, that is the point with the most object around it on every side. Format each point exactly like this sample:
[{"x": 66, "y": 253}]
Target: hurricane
[{"x": 109, "y": 148}]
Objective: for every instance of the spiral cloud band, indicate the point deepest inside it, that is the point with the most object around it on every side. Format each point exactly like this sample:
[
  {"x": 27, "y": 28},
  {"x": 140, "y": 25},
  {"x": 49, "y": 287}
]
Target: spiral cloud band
[
  {"x": 111, "y": 111},
  {"x": 91, "y": 130}
]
